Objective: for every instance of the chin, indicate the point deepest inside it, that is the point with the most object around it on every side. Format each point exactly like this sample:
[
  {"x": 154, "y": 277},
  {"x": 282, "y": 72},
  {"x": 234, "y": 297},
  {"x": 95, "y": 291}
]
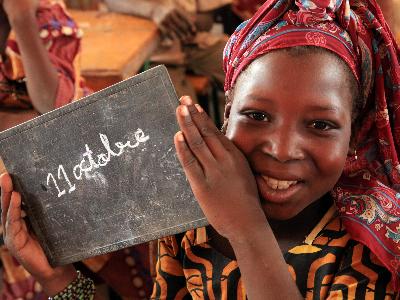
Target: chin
[{"x": 279, "y": 212}]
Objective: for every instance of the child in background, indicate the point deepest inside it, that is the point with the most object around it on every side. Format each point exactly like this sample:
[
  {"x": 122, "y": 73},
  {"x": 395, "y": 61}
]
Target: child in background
[
  {"x": 311, "y": 119},
  {"x": 188, "y": 41},
  {"x": 39, "y": 71}
]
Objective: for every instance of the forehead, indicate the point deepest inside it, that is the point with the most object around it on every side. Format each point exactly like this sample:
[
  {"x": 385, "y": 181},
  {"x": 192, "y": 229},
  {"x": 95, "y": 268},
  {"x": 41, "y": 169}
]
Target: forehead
[{"x": 312, "y": 77}]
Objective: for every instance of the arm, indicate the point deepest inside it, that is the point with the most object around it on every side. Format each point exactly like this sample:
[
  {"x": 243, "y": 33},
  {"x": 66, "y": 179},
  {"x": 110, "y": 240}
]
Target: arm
[
  {"x": 264, "y": 271},
  {"x": 42, "y": 77},
  {"x": 224, "y": 186}
]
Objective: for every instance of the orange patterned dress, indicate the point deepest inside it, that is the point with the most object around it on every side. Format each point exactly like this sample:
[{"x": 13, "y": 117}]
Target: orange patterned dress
[{"x": 328, "y": 265}]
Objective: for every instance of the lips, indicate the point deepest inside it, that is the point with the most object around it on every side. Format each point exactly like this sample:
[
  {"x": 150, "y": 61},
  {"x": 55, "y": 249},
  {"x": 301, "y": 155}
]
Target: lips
[{"x": 278, "y": 190}]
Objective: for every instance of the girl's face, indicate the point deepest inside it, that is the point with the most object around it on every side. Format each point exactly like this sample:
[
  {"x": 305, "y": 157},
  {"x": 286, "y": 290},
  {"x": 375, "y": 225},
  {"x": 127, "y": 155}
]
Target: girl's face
[{"x": 291, "y": 117}]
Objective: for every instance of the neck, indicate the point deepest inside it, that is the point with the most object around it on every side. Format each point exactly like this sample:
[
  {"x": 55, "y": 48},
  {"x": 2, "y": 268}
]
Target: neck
[{"x": 303, "y": 223}]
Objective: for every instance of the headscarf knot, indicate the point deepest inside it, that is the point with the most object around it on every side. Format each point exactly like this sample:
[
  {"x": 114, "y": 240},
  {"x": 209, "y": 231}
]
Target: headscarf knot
[{"x": 315, "y": 11}]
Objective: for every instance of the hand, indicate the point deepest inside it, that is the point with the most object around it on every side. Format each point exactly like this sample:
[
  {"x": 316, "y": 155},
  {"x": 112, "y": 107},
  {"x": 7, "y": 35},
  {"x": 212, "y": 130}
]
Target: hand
[
  {"x": 174, "y": 23},
  {"x": 219, "y": 174},
  {"x": 19, "y": 8},
  {"x": 24, "y": 246}
]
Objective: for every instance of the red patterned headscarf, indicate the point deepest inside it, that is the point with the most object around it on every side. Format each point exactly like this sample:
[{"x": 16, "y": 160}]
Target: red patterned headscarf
[{"x": 368, "y": 193}]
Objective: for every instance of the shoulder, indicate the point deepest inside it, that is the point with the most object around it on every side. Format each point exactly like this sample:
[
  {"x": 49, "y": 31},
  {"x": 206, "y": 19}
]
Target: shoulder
[
  {"x": 335, "y": 265},
  {"x": 360, "y": 274}
]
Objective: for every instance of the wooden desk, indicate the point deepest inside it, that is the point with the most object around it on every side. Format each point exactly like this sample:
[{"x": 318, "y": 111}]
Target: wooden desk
[{"x": 114, "y": 46}]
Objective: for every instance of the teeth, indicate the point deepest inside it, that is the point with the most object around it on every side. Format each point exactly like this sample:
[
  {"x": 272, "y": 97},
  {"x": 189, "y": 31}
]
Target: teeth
[{"x": 278, "y": 184}]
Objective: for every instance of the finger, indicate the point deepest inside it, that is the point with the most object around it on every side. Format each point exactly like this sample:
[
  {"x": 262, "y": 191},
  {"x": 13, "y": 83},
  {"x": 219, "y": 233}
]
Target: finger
[
  {"x": 216, "y": 140},
  {"x": 181, "y": 24},
  {"x": 189, "y": 23},
  {"x": 6, "y": 190},
  {"x": 207, "y": 130},
  {"x": 191, "y": 166},
  {"x": 171, "y": 28},
  {"x": 165, "y": 33},
  {"x": 14, "y": 222},
  {"x": 193, "y": 138},
  {"x": 167, "y": 29}
]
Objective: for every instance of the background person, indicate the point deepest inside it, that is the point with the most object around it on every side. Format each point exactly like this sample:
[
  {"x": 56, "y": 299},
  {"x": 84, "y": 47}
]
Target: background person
[{"x": 188, "y": 43}]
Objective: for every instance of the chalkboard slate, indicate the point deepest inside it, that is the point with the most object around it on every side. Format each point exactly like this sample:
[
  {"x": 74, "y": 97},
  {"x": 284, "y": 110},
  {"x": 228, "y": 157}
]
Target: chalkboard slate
[{"x": 101, "y": 174}]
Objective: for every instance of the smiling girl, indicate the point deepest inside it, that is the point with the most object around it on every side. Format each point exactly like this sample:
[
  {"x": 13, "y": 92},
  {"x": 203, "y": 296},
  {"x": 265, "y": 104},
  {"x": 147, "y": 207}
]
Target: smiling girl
[{"x": 300, "y": 191}]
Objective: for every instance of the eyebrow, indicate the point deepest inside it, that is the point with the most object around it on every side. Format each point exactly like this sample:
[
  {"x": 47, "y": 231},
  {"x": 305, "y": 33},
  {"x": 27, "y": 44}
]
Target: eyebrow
[
  {"x": 332, "y": 108},
  {"x": 312, "y": 107}
]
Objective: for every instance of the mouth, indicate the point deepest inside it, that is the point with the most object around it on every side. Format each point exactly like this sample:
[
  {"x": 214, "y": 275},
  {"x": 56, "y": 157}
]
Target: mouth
[
  {"x": 277, "y": 184},
  {"x": 277, "y": 190}
]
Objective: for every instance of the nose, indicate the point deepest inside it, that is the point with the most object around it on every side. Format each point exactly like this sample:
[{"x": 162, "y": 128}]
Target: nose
[{"x": 284, "y": 144}]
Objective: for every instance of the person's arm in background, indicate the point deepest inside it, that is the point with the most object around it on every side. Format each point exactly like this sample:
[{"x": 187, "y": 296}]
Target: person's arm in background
[
  {"x": 172, "y": 22},
  {"x": 42, "y": 77}
]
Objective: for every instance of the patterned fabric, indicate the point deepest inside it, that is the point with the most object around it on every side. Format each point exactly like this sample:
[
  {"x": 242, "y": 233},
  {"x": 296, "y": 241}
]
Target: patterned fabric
[
  {"x": 61, "y": 37},
  {"x": 367, "y": 194},
  {"x": 329, "y": 266},
  {"x": 81, "y": 288}
]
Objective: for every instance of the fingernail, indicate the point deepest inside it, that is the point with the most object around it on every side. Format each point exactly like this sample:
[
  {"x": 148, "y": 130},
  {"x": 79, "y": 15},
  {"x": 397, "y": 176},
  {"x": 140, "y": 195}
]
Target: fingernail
[
  {"x": 180, "y": 137},
  {"x": 199, "y": 108},
  {"x": 185, "y": 112},
  {"x": 186, "y": 100}
]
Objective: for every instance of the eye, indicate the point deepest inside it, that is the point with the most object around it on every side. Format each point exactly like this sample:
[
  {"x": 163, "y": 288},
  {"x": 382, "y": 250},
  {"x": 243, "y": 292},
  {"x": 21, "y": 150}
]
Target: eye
[
  {"x": 322, "y": 125},
  {"x": 258, "y": 116}
]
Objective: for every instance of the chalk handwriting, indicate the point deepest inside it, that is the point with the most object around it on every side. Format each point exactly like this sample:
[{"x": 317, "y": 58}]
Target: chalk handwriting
[{"x": 91, "y": 162}]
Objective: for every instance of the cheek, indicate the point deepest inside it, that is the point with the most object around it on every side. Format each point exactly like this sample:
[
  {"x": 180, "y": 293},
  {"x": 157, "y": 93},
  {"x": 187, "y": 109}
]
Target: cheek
[
  {"x": 233, "y": 131},
  {"x": 331, "y": 163},
  {"x": 241, "y": 137}
]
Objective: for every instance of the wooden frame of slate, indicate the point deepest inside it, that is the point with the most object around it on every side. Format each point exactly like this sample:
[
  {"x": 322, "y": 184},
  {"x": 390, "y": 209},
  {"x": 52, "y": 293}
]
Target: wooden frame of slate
[{"x": 101, "y": 174}]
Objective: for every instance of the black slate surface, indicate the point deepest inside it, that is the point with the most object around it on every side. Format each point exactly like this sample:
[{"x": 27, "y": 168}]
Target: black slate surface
[{"x": 102, "y": 174}]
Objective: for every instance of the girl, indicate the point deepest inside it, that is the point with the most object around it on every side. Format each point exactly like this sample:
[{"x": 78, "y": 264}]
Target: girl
[{"x": 311, "y": 118}]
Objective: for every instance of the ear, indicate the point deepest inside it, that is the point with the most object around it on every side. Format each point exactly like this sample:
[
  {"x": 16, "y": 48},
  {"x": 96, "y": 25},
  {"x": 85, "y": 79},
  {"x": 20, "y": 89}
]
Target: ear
[
  {"x": 352, "y": 143},
  {"x": 228, "y": 104},
  {"x": 227, "y": 112}
]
